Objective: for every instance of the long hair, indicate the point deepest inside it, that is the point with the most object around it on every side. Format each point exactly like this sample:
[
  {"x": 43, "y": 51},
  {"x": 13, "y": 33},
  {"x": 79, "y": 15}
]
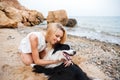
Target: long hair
[{"x": 52, "y": 28}]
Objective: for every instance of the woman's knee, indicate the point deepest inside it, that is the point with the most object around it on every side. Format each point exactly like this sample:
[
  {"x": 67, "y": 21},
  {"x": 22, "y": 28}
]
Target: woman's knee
[
  {"x": 27, "y": 62},
  {"x": 26, "y": 59}
]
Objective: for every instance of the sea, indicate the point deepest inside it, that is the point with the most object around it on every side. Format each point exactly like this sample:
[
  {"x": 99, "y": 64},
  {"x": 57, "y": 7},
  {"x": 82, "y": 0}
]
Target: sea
[{"x": 102, "y": 28}]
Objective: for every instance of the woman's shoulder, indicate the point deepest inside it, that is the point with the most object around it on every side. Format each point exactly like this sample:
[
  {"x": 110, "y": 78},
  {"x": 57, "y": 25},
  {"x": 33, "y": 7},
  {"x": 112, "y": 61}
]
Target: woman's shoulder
[
  {"x": 40, "y": 34},
  {"x": 35, "y": 33}
]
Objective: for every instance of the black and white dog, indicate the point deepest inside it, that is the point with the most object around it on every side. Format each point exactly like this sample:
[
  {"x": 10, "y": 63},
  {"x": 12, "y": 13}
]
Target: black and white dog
[{"x": 59, "y": 71}]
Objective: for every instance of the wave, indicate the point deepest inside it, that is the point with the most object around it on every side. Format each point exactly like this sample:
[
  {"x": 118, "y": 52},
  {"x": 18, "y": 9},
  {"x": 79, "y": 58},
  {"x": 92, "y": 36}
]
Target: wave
[
  {"x": 93, "y": 34},
  {"x": 105, "y": 29}
]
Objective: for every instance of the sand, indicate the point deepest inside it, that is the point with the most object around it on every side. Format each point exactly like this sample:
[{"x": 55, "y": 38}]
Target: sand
[{"x": 98, "y": 59}]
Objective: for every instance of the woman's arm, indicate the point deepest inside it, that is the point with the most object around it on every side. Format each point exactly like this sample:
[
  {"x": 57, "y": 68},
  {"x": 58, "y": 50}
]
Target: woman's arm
[{"x": 35, "y": 54}]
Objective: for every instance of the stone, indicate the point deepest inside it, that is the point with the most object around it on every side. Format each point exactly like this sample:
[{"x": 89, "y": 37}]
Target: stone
[
  {"x": 59, "y": 16},
  {"x": 12, "y": 13},
  {"x": 71, "y": 22}
]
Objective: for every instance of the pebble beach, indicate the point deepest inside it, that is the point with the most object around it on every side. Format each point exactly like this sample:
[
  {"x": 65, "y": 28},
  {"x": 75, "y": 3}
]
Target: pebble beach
[{"x": 98, "y": 59}]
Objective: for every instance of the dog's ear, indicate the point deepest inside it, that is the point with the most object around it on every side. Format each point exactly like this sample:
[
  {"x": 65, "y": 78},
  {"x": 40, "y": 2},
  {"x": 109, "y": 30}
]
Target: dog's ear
[
  {"x": 56, "y": 47},
  {"x": 65, "y": 47},
  {"x": 59, "y": 46}
]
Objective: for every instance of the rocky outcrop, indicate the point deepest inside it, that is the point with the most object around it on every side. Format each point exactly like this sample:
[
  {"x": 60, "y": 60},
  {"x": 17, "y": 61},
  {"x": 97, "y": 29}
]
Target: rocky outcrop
[
  {"x": 31, "y": 17},
  {"x": 13, "y": 3},
  {"x": 57, "y": 16},
  {"x": 5, "y": 21},
  {"x": 12, "y": 13},
  {"x": 71, "y": 22}
]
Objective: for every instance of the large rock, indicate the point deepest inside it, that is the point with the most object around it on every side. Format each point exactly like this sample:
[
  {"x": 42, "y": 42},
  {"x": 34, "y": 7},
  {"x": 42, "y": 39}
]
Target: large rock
[
  {"x": 71, "y": 22},
  {"x": 31, "y": 17},
  {"x": 6, "y": 22},
  {"x": 13, "y": 3},
  {"x": 57, "y": 16},
  {"x": 12, "y": 13}
]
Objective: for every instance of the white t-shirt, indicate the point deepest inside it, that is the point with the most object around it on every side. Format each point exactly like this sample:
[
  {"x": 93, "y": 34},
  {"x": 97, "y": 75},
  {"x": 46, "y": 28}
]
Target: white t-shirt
[{"x": 25, "y": 46}]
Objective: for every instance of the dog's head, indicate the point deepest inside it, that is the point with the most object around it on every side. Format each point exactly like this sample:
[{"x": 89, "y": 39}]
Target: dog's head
[{"x": 65, "y": 49}]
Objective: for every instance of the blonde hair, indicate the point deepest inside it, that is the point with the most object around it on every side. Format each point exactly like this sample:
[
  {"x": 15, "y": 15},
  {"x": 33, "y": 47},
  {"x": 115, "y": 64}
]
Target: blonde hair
[{"x": 52, "y": 28}]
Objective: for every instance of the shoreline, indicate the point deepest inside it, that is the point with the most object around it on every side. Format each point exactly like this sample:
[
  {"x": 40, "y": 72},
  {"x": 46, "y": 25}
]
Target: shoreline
[
  {"x": 110, "y": 39},
  {"x": 94, "y": 40},
  {"x": 97, "y": 59},
  {"x": 96, "y": 36}
]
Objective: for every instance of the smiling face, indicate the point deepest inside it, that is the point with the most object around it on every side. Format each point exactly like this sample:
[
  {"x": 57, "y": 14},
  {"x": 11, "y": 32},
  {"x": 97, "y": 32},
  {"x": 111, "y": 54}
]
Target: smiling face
[
  {"x": 56, "y": 37},
  {"x": 55, "y": 33}
]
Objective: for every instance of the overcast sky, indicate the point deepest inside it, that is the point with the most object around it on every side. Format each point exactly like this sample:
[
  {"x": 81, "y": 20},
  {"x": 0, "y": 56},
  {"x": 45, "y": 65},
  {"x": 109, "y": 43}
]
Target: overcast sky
[{"x": 76, "y": 7}]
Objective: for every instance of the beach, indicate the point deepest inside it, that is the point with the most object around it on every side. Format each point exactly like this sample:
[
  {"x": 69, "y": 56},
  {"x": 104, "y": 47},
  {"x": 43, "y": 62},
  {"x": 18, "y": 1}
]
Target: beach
[{"x": 98, "y": 59}]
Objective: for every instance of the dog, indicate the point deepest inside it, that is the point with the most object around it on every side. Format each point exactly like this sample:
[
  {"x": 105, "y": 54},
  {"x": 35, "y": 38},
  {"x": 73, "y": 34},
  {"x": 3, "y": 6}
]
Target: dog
[{"x": 59, "y": 71}]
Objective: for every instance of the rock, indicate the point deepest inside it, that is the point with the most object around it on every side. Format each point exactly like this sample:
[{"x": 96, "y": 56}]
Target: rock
[
  {"x": 12, "y": 13},
  {"x": 71, "y": 22},
  {"x": 6, "y": 22},
  {"x": 12, "y": 3},
  {"x": 10, "y": 37},
  {"x": 57, "y": 16},
  {"x": 32, "y": 17}
]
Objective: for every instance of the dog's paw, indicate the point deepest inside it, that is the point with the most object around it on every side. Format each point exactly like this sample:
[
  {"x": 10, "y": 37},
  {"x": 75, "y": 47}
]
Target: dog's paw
[{"x": 32, "y": 65}]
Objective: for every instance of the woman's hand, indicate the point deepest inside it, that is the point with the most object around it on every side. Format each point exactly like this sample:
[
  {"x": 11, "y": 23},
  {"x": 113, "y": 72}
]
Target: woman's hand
[{"x": 68, "y": 63}]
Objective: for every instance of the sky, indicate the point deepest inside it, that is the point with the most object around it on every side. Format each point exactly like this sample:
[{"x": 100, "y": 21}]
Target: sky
[{"x": 75, "y": 7}]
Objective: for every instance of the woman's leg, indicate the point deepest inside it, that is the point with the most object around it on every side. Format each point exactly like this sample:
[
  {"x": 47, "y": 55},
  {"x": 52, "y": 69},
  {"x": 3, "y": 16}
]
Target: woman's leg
[{"x": 27, "y": 58}]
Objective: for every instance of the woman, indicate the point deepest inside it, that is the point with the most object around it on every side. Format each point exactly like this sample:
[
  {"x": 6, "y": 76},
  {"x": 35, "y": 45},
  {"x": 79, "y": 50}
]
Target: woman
[{"x": 32, "y": 47}]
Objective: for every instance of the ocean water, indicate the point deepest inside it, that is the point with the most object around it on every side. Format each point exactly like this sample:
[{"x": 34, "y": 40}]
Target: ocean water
[{"x": 102, "y": 28}]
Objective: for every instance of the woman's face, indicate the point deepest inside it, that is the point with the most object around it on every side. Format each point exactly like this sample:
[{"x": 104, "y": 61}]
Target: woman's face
[{"x": 56, "y": 37}]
